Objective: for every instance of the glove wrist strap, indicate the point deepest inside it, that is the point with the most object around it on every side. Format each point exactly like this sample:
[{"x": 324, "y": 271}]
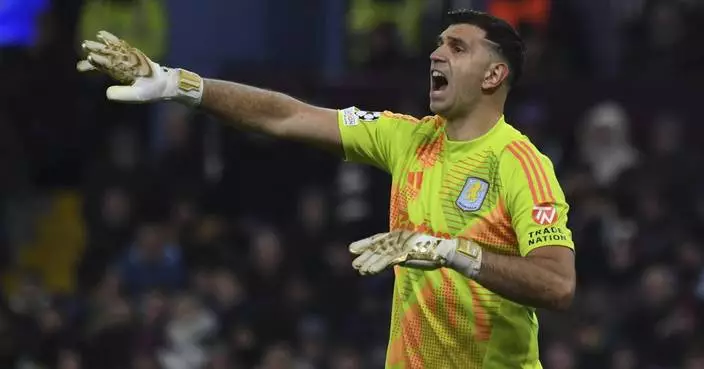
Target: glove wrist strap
[
  {"x": 185, "y": 87},
  {"x": 465, "y": 258}
]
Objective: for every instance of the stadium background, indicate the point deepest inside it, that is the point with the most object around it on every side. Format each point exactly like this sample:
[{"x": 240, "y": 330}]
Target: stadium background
[{"x": 248, "y": 235}]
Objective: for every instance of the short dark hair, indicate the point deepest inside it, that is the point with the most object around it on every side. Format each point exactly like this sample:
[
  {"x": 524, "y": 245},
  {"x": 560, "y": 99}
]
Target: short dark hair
[{"x": 498, "y": 31}]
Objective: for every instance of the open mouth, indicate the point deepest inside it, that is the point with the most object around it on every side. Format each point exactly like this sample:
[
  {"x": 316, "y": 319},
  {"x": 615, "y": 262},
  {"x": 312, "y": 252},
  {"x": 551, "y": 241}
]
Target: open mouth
[{"x": 438, "y": 81}]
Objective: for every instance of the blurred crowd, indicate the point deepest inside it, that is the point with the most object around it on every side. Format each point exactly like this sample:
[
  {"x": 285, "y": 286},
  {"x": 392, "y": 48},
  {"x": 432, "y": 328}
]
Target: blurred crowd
[{"x": 206, "y": 247}]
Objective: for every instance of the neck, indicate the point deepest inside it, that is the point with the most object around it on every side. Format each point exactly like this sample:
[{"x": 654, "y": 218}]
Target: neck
[{"x": 475, "y": 123}]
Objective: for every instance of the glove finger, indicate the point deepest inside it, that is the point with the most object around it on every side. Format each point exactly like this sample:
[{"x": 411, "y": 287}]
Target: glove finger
[
  {"x": 380, "y": 264},
  {"x": 366, "y": 267},
  {"x": 358, "y": 247},
  {"x": 362, "y": 259},
  {"x": 123, "y": 93},
  {"x": 107, "y": 37},
  {"x": 84, "y": 66},
  {"x": 99, "y": 61},
  {"x": 93, "y": 46}
]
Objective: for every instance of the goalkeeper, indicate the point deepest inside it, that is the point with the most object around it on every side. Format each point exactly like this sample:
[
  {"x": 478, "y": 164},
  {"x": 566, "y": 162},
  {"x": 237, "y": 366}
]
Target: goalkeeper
[{"x": 478, "y": 235}]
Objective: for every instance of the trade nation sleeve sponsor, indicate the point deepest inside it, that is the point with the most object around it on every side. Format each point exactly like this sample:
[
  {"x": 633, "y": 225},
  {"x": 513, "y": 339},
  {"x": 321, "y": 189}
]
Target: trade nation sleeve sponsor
[{"x": 535, "y": 200}]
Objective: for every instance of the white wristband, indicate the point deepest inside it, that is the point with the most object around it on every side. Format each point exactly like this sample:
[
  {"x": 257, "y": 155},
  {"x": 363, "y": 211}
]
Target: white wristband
[{"x": 463, "y": 256}]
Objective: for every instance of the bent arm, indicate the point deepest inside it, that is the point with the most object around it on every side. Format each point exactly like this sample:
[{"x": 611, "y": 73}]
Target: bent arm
[
  {"x": 272, "y": 113},
  {"x": 544, "y": 273},
  {"x": 545, "y": 278}
]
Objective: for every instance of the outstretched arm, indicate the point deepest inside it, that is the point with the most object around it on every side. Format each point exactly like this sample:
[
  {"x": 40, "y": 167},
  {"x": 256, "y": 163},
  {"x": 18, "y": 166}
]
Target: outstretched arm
[
  {"x": 272, "y": 113},
  {"x": 244, "y": 106}
]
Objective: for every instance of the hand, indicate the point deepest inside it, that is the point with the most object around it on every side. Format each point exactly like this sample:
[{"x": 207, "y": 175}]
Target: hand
[
  {"x": 414, "y": 250},
  {"x": 145, "y": 80}
]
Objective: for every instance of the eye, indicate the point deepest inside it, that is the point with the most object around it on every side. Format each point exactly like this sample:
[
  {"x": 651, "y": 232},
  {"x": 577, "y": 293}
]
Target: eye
[{"x": 457, "y": 49}]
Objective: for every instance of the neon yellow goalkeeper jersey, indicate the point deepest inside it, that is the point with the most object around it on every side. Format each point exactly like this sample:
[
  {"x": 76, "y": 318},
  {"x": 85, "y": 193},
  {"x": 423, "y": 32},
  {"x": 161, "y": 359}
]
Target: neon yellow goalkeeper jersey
[{"x": 497, "y": 190}]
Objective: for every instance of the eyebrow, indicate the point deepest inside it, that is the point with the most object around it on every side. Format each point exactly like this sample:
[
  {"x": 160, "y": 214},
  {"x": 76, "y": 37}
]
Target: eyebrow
[
  {"x": 452, "y": 39},
  {"x": 462, "y": 43}
]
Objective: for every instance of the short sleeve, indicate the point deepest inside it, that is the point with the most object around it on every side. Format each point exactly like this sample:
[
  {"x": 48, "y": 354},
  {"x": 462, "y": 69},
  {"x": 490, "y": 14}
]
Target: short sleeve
[
  {"x": 534, "y": 198},
  {"x": 375, "y": 138}
]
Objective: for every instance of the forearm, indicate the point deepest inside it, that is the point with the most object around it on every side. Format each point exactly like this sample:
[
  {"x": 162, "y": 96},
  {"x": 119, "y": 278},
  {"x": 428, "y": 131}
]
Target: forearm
[
  {"x": 543, "y": 279},
  {"x": 530, "y": 281},
  {"x": 249, "y": 107},
  {"x": 272, "y": 113}
]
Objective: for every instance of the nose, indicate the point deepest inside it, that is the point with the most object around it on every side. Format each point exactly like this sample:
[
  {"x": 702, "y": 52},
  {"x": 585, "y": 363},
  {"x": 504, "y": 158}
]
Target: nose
[{"x": 437, "y": 56}]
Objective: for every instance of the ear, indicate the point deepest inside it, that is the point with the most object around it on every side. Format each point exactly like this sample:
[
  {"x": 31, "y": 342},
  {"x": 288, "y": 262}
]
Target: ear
[{"x": 495, "y": 75}]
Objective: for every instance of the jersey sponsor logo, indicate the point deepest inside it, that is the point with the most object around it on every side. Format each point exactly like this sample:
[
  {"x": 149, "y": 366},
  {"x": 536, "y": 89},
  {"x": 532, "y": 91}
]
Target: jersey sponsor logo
[
  {"x": 544, "y": 214},
  {"x": 545, "y": 235},
  {"x": 473, "y": 194}
]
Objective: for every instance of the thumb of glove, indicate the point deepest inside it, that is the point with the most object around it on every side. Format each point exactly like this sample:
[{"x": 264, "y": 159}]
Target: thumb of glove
[
  {"x": 84, "y": 66},
  {"x": 421, "y": 264},
  {"x": 124, "y": 94}
]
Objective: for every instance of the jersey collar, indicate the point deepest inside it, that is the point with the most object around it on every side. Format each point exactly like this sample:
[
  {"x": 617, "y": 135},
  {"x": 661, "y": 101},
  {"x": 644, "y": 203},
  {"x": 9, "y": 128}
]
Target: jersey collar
[{"x": 458, "y": 150}]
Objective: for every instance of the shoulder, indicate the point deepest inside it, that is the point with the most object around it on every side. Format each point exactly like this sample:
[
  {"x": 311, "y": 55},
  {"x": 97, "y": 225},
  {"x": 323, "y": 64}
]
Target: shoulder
[
  {"x": 522, "y": 164},
  {"x": 353, "y": 116},
  {"x": 402, "y": 123},
  {"x": 516, "y": 150},
  {"x": 426, "y": 124}
]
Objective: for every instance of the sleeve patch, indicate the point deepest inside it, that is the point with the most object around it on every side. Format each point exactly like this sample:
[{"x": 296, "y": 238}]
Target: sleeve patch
[
  {"x": 349, "y": 117},
  {"x": 545, "y": 214},
  {"x": 353, "y": 116},
  {"x": 547, "y": 235},
  {"x": 368, "y": 116}
]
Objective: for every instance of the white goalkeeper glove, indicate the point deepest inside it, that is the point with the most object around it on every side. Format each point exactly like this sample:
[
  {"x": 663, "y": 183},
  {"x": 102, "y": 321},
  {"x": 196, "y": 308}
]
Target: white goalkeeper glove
[
  {"x": 416, "y": 250},
  {"x": 145, "y": 80}
]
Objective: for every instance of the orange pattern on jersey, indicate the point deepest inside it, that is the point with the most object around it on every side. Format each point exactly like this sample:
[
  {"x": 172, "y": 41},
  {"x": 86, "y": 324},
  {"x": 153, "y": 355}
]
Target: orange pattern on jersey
[
  {"x": 495, "y": 229},
  {"x": 404, "y": 117},
  {"x": 533, "y": 169},
  {"x": 402, "y": 222},
  {"x": 414, "y": 183},
  {"x": 398, "y": 207},
  {"x": 407, "y": 348},
  {"x": 543, "y": 176},
  {"x": 438, "y": 121},
  {"x": 449, "y": 297},
  {"x": 482, "y": 318},
  {"x": 395, "y": 355},
  {"x": 428, "y": 153}
]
